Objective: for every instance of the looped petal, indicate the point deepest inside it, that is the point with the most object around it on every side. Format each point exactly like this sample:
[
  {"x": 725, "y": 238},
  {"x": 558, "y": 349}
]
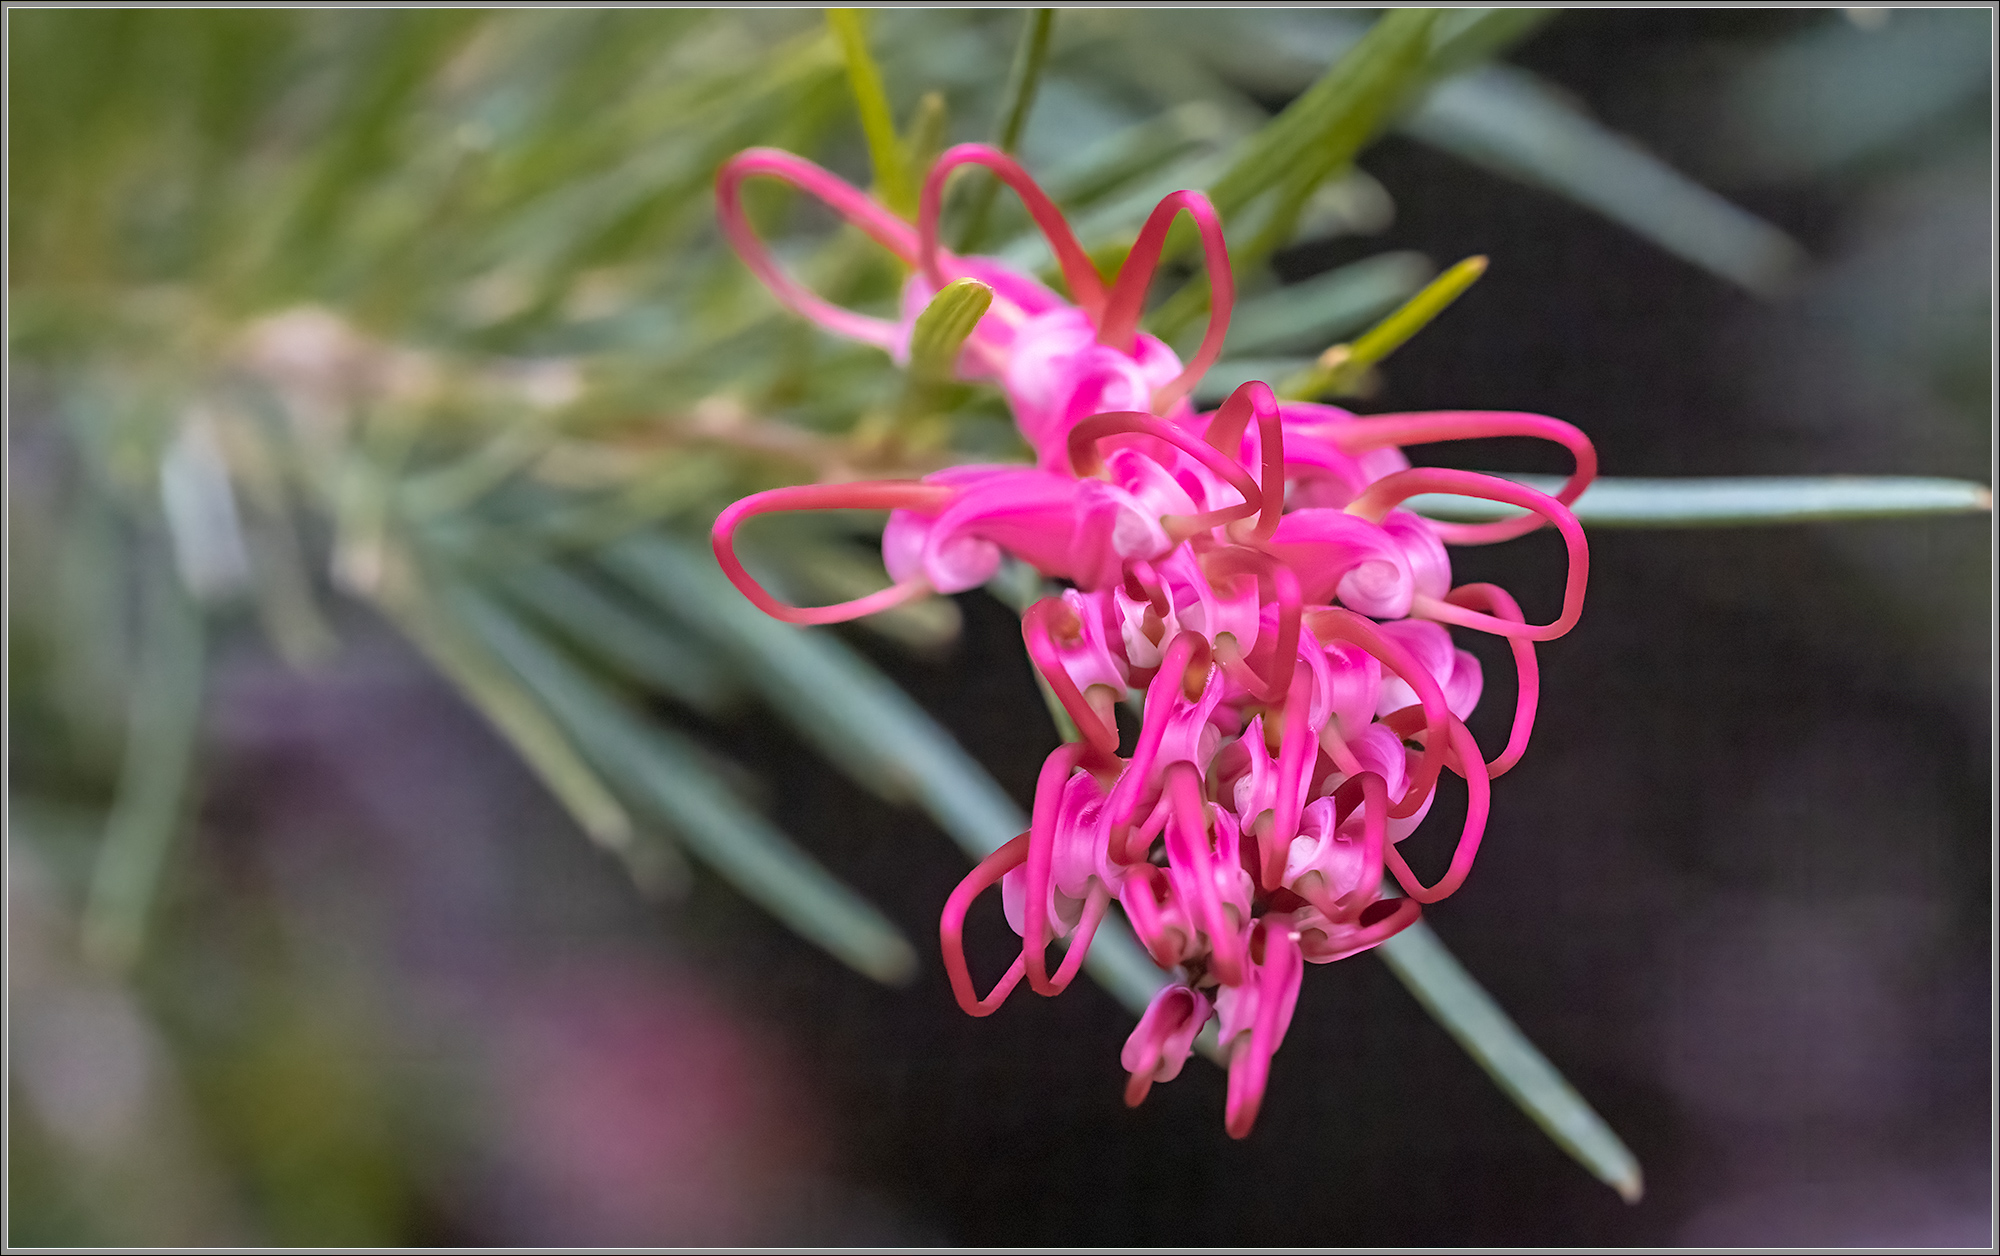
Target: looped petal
[
  {"x": 1226, "y": 431},
  {"x": 844, "y": 199},
  {"x": 1058, "y": 374},
  {"x": 1085, "y": 461},
  {"x": 1080, "y": 530},
  {"x": 1386, "y": 493},
  {"x": 1466, "y": 761},
  {"x": 1050, "y": 627},
  {"x": 1084, "y": 284},
  {"x": 1158, "y": 917},
  {"x": 1456, "y": 671},
  {"x": 1385, "y": 431},
  {"x": 1168, "y": 707},
  {"x": 877, "y": 495},
  {"x": 1128, "y": 295},
  {"x": 1334, "y": 624},
  {"x": 1322, "y": 471},
  {"x": 1527, "y": 674},
  {"x": 1207, "y": 874},
  {"x": 951, "y": 930}
]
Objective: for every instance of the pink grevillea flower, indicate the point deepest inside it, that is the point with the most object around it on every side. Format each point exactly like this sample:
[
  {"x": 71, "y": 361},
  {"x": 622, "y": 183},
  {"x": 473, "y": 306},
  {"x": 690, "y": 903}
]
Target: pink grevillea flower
[{"x": 1250, "y": 570}]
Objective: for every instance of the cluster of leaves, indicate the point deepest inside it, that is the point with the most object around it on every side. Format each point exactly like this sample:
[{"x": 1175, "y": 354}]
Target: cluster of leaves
[{"x": 428, "y": 310}]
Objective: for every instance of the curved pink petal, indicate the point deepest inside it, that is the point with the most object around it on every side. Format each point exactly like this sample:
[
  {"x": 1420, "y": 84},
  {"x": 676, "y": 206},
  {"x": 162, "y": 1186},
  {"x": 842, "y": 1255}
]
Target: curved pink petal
[
  {"x": 845, "y": 199},
  {"x": 1163, "y": 1039},
  {"x": 1267, "y": 1006},
  {"x": 1128, "y": 296},
  {"x": 1078, "y": 271}
]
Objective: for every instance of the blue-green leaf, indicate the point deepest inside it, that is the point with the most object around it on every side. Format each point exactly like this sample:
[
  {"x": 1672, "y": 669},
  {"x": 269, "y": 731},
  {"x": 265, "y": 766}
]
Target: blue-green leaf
[
  {"x": 154, "y": 780},
  {"x": 664, "y": 772},
  {"x": 1511, "y": 123},
  {"x": 861, "y": 721},
  {"x": 1733, "y": 500},
  {"x": 1471, "y": 1016},
  {"x": 1311, "y": 314}
]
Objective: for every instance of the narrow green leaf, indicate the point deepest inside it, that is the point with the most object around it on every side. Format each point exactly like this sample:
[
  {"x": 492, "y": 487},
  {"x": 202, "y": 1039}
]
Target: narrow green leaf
[
  {"x": 1330, "y": 122},
  {"x": 1023, "y": 78},
  {"x": 1343, "y": 366},
  {"x": 641, "y": 648},
  {"x": 1019, "y": 97},
  {"x": 878, "y": 124},
  {"x": 1733, "y": 500},
  {"x": 458, "y": 486},
  {"x": 926, "y": 138},
  {"x": 666, "y": 774},
  {"x": 1465, "y": 37},
  {"x": 492, "y": 687},
  {"x": 1509, "y": 122},
  {"x": 1834, "y": 94},
  {"x": 1512, "y": 123},
  {"x": 1316, "y": 136},
  {"x": 155, "y": 779},
  {"x": 1471, "y": 1016},
  {"x": 1311, "y": 313},
  {"x": 862, "y": 722}
]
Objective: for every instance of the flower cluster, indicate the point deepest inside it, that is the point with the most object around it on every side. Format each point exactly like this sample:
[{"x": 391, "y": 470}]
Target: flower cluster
[{"x": 1249, "y": 569}]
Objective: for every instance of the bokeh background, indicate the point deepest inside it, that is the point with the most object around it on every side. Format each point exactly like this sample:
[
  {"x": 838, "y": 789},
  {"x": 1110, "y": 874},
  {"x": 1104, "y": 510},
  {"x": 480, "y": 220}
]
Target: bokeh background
[{"x": 384, "y": 989}]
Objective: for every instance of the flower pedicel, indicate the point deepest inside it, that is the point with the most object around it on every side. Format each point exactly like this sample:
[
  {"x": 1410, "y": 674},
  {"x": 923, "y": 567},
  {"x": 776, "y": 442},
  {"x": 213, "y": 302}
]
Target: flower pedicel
[{"x": 1250, "y": 569}]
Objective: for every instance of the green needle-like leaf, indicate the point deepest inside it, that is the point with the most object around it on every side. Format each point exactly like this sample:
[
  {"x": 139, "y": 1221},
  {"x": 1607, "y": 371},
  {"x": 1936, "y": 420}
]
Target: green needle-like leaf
[
  {"x": 1308, "y": 314},
  {"x": 1022, "y": 80},
  {"x": 619, "y": 635},
  {"x": 860, "y": 720},
  {"x": 491, "y": 686},
  {"x": 665, "y": 773},
  {"x": 1509, "y": 122},
  {"x": 878, "y": 124},
  {"x": 1317, "y": 135},
  {"x": 153, "y": 782},
  {"x": 1733, "y": 501},
  {"x": 1343, "y": 366},
  {"x": 1471, "y": 1016},
  {"x": 1330, "y": 122}
]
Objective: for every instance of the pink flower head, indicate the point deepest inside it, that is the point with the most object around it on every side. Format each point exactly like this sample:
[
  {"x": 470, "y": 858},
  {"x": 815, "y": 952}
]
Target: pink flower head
[{"x": 1251, "y": 570}]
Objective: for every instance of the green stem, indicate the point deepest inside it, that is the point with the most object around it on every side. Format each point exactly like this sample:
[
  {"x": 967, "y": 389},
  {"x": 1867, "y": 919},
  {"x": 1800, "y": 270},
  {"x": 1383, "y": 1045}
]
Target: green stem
[{"x": 1022, "y": 81}]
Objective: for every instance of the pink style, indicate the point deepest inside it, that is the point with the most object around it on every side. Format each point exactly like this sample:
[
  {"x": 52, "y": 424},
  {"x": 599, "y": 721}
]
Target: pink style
[{"x": 1250, "y": 570}]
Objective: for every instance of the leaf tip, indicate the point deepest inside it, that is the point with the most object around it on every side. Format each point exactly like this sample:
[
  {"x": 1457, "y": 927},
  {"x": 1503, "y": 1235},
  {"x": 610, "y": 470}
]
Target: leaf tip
[
  {"x": 895, "y": 964},
  {"x": 1631, "y": 1187}
]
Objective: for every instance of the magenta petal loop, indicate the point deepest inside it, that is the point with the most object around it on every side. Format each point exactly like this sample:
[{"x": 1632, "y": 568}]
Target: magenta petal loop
[{"x": 1251, "y": 572}]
